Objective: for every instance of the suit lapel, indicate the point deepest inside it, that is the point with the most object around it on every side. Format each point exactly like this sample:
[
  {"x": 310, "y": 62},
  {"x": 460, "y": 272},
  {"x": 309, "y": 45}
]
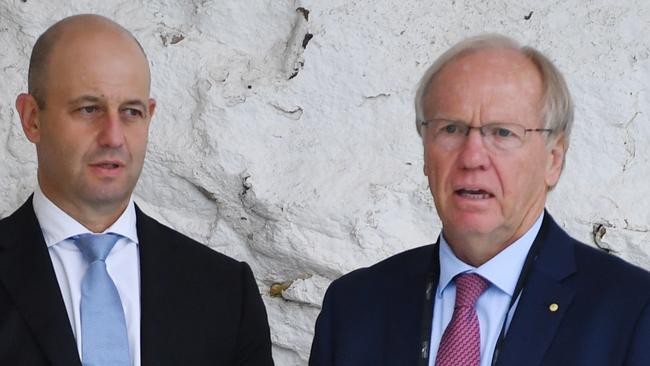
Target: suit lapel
[
  {"x": 544, "y": 299},
  {"x": 409, "y": 313},
  {"x": 154, "y": 288},
  {"x": 27, "y": 274}
]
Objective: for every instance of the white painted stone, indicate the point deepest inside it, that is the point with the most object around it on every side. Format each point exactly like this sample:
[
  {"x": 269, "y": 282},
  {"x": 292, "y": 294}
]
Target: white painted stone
[
  {"x": 309, "y": 177},
  {"x": 308, "y": 291}
]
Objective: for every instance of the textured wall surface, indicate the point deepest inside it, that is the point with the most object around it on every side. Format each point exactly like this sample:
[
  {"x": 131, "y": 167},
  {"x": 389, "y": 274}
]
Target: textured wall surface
[{"x": 284, "y": 130}]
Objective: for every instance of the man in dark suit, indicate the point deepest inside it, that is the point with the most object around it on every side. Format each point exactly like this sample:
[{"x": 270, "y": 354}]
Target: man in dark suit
[
  {"x": 504, "y": 284},
  {"x": 172, "y": 301}
]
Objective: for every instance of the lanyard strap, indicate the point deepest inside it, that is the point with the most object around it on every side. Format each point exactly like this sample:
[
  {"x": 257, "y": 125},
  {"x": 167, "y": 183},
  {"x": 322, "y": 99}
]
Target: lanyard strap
[
  {"x": 427, "y": 313},
  {"x": 521, "y": 282}
]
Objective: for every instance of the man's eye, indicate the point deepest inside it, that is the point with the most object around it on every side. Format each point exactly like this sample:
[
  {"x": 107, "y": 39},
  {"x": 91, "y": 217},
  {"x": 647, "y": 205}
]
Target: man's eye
[
  {"x": 449, "y": 129},
  {"x": 88, "y": 109},
  {"x": 132, "y": 112},
  {"x": 502, "y": 132}
]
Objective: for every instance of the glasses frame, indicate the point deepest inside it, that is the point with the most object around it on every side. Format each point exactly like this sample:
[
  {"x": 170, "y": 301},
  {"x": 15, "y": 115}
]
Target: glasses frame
[{"x": 482, "y": 129}]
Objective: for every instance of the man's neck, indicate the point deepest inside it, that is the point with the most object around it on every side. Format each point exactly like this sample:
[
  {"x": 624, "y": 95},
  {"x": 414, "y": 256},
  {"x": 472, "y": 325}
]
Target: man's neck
[
  {"x": 94, "y": 218},
  {"x": 476, "y": 249}
]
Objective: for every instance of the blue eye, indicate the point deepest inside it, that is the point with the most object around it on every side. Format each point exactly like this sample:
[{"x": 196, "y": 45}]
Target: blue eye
[
  {"x": 503, "y": 132},
  {"x": 450, "y": 128}
]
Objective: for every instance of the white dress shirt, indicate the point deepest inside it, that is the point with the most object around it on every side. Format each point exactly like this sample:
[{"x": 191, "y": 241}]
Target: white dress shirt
[
  {"x": 122, "y": 264},
  {"x": 502, "y": 272}
]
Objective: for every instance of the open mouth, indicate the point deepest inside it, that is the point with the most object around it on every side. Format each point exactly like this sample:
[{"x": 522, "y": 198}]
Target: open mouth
[
  {"x": 107, "y": 165},
  {"x": 476, "y": 194}
]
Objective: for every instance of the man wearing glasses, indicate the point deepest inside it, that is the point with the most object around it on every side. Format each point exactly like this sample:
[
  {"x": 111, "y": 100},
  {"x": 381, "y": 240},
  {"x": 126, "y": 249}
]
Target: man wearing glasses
[{"x": 504, "y": 284}]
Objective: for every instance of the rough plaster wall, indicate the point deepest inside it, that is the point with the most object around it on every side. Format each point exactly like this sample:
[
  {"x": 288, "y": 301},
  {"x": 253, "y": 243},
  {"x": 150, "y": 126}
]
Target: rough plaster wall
[{"x": 299, "y": 155}]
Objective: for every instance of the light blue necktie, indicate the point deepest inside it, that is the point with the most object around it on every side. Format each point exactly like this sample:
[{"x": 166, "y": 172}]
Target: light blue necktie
[{"x": 104, "y": 339}]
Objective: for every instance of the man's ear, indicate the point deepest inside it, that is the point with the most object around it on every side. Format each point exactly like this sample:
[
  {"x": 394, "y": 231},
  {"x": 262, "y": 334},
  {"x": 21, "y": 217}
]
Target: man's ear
[
  {"x": 151, "y": 106},
  {"x": 29, "y": 111},
  {"x": 425, "y": 165},
  {"x": 555, "y": 163}
]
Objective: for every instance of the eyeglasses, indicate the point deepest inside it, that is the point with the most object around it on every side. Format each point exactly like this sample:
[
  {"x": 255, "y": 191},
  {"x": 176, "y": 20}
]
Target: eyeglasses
[{"x": 502, "y": 136}]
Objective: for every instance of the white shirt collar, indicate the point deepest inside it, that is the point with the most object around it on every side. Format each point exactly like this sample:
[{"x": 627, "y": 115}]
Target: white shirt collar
[
  {"x": 57, "y": 225},
  {"x": 502, "y": 270}
]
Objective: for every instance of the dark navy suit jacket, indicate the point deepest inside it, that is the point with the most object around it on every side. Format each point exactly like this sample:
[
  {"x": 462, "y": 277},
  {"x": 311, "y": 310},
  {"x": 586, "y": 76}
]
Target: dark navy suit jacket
[
  {"x": 198, "y": 307},
  {"x": 373, "y": 316}
]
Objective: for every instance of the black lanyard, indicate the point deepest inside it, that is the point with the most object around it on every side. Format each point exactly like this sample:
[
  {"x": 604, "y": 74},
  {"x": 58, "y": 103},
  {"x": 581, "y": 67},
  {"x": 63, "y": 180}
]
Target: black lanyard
[{"x": 429, "y": 295}]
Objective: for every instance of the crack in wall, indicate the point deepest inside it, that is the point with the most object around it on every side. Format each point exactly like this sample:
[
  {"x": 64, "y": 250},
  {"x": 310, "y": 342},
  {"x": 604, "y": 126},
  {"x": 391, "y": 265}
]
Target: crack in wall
[
  {"x": 170, "y": 35},
  {"x": 638, "y": 229},
  {"x": 599, "y": 232},
  {"x": 294, "y": 113},
  {"x": 299, "y": 37},
  {"x": 377, "y": 96},
  {"x": 373, "y": 97},
  {"x": 630, "y": 142}
]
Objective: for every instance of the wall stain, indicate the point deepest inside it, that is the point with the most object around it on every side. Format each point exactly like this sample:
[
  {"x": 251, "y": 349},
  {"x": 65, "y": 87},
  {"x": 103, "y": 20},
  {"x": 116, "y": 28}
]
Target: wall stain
[
  {"x": 305, "y": 41},
  {"x": 304, "y": 12},
  {"x": 599, "y": 231}
]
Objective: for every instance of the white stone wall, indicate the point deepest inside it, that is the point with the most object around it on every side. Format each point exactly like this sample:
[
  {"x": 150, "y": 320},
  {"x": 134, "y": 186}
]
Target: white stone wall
[{"x": 299, "y": 155}]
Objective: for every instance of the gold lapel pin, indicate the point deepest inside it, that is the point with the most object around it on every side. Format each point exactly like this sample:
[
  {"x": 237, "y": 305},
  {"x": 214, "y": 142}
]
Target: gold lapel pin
[{"x": 553, "y": 307}]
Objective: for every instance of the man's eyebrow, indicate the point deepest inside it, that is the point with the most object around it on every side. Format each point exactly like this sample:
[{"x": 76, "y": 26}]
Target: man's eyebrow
[
  {"x": 135, "y": 102},
  {"x": 95, "y": 99},
  {"x": 85, "y": 98}
]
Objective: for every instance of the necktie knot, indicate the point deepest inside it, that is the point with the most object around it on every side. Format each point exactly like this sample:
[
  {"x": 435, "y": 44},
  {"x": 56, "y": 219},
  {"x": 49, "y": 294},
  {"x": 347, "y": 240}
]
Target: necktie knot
[
  {"x": 469, "y": 286},
  {"x": 96, "y": 247}
]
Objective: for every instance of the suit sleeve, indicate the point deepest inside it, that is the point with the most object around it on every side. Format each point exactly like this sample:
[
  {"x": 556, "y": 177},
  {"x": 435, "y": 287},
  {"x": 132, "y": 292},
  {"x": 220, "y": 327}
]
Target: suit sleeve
[
  {"x": 254, "y": 339},
  {"x": 321, "y": 348},
  {"x": 638, "y": 354}
]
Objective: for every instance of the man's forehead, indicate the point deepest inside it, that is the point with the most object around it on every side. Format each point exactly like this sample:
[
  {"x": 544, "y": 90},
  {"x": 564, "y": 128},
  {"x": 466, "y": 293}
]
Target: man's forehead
[
  {"x": 495, "y": 84},
  {"x": 103, "y": 63},
  {"x": 85, "y": 49},
  {"x": 493, "y": 69},
  {"x": 75, "y": 36},
  {"x": 489, "y": 61}
]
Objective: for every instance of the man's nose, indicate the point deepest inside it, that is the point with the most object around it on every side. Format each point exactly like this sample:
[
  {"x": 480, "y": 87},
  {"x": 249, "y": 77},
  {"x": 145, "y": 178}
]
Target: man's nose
[
  {"x": 474, "y": 154},
  {"x": 112, "y": 130}
]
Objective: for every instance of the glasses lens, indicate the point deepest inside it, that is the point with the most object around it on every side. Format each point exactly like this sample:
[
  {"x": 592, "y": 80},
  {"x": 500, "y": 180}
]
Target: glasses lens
[
  {"x": 452, "y": 134},
  {"x": 504, "y": 135},
  {"x": 448, "y": 133}
]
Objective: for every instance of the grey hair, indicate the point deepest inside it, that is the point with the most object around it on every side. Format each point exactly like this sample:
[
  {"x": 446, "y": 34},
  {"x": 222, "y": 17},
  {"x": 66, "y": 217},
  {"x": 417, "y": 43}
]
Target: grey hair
[{"x": 557, "y": 106}]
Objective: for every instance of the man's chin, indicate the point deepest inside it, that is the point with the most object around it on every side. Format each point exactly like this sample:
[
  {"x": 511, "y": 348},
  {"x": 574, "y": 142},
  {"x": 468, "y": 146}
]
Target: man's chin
[
  {"x": 473, "y": 223},
  {"x": 108, "y": 197}
]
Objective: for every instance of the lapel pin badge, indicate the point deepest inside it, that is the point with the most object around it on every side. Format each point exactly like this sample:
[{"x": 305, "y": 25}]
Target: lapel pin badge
[{"x": 553, "y": 307}]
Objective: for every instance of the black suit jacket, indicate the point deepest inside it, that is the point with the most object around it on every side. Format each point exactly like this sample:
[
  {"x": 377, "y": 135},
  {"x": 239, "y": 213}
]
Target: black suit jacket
[
  {"x": 373, "y": 316},
  {"x": 198, "y": 307}
]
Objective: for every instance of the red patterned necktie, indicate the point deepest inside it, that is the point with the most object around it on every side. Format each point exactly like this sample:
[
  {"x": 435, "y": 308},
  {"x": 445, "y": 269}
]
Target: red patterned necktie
[{"x": 461, "y": 341}]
